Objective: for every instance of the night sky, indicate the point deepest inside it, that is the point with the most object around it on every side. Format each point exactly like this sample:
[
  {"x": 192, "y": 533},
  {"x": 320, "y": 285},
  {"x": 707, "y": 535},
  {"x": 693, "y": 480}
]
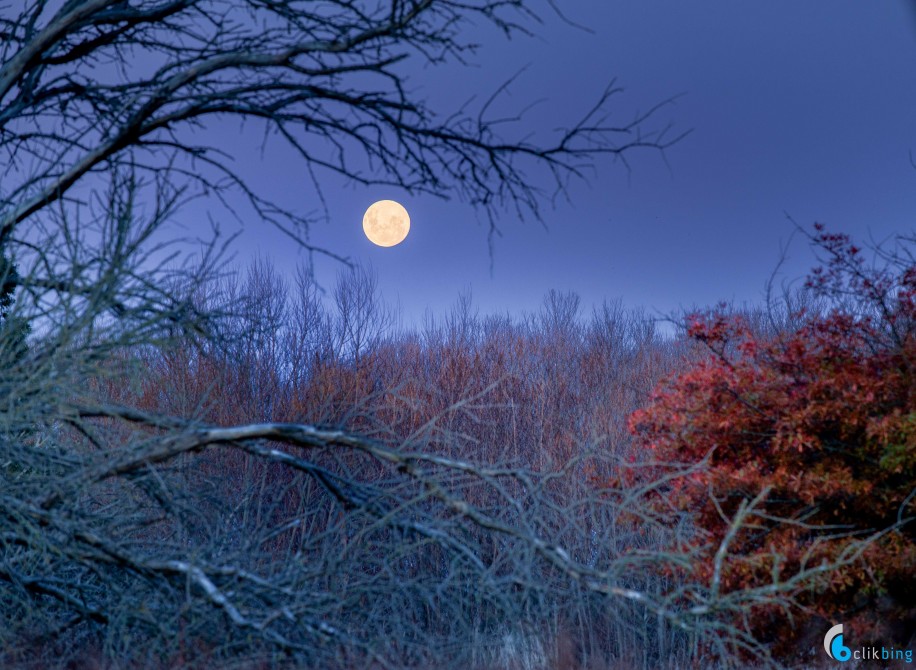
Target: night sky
[{"x": 805, "y": 109}]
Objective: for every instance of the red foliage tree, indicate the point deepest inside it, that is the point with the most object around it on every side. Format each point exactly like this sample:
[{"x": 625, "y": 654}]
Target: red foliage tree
[{"x": 822, "y": 417}]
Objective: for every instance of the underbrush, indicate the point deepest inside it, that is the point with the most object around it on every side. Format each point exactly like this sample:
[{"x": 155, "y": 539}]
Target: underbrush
[{"x": 310, "y": 487}]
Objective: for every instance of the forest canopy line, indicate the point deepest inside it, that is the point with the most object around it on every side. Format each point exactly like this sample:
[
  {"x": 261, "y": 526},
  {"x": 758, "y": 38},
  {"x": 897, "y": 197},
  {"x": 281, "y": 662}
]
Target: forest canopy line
[{"x": 206, "y": 467}]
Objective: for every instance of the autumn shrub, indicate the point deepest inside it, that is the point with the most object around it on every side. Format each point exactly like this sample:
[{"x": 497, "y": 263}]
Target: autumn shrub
[{"x": 817, "y": 422}]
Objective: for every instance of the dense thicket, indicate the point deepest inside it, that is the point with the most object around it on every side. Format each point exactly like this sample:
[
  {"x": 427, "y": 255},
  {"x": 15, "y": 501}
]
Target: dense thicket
[
  {"x": 296, "y": 480},
  {"x": 529, "y": 409}
]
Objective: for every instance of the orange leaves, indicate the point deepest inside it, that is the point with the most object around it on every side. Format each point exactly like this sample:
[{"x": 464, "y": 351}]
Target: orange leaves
[{"x": 822, "y": 413}]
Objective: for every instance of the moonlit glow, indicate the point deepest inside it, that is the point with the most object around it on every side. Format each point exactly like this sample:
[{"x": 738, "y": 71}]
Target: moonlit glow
[{"x": 386, "y": 223}]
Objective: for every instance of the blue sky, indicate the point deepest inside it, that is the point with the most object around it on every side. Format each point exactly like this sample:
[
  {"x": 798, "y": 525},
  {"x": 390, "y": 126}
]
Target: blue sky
[{"x": 806, "y": 109}]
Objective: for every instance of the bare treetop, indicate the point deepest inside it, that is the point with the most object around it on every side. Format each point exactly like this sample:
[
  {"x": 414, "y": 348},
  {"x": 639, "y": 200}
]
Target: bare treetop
[{"x": 99, "y": 85}]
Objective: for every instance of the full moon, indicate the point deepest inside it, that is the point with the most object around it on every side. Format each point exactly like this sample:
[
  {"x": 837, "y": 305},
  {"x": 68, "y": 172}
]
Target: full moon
[{"x": 386, "y": 223}]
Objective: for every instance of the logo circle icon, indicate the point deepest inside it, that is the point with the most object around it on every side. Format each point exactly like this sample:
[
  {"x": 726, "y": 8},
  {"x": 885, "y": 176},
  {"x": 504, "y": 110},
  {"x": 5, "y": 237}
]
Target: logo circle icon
[{"x": 833, "y": 644}]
